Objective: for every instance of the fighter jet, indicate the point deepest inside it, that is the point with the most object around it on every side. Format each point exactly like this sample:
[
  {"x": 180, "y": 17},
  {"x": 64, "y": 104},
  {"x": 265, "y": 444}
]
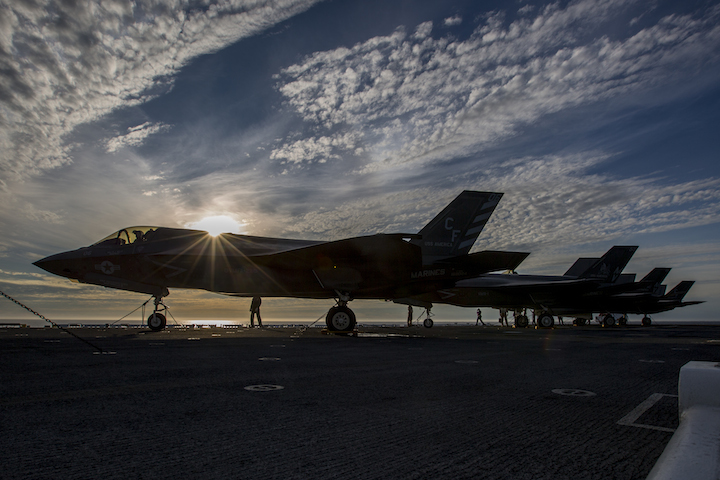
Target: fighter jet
[
  {"x": 643, "y": 300},
  {"x": 590, "y": 285},
  {"x": 517, "y": 292},
  {"x": 152, "y": 260}
]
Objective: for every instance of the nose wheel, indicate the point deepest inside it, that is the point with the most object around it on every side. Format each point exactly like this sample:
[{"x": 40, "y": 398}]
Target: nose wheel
[{"x": 157, "y": 321}]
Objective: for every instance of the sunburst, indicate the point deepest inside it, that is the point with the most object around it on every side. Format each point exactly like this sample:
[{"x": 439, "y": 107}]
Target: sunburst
[{"x": 217, "y": 224}]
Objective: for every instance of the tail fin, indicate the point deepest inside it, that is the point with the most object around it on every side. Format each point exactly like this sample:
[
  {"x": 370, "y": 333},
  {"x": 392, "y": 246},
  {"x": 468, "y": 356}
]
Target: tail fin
[
  {"x": 454, "y": 230},
  {"x": 679, "y": 291},
  {"x": 656, "y": 276},
  {"x": 580, "y": 266},
  {"x": 609, "y": 267}
]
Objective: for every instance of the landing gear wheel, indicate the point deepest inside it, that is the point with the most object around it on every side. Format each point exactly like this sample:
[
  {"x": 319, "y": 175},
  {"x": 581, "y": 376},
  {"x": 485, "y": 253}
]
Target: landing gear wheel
[
  {"x": 521, "y": 321},
  {"x": 545, "y": 320},
  {"x": 156, "y": 321},
  {"x": 622, "y": 321},
  {"x": 646, "y": 322},
  {"x": 428, "y": 323},
  {"x": 608, "y": 320},
  {"x": 340, "y": 319}
]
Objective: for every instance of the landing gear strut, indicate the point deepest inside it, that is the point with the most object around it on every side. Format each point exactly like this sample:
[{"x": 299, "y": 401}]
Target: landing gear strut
[
  {"x": 340, "y": 318},
  {"x": 428, "y": 323},
  {"x": 157, "y": 321}
]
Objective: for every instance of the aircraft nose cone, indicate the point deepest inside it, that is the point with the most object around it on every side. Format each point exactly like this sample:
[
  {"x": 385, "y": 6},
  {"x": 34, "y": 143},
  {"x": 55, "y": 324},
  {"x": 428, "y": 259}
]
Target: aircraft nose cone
[
  {"x": 59, "y": 264},
  {"x": 48, "y": 264}
]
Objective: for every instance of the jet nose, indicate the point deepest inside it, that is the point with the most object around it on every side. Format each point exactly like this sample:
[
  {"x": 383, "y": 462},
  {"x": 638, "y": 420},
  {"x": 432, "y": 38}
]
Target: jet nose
[
  {"x": 48, "y": 264},
  {"x": 58, "y": 264}
]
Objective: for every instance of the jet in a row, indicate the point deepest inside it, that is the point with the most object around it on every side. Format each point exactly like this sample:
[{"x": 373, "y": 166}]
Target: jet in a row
[{"x": 590, "y": 285}]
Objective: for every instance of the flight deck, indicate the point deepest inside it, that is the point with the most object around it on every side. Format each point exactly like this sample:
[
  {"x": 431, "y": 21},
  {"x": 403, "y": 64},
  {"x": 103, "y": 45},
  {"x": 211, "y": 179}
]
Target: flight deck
[{"x": 392, "y": 402}]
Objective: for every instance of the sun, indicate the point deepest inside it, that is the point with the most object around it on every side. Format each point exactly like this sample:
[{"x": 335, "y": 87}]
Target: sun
[{"x": 217, "y": 224}]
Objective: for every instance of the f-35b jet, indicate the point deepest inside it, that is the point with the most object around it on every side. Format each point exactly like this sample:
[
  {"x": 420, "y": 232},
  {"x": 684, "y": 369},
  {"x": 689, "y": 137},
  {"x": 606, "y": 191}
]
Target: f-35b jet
[
  {"x": 590, "y": 285},
  {"x": 152, "y": 260}
]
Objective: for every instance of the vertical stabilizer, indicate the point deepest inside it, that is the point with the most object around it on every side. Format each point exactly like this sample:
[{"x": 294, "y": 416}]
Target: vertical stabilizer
[
  {"x": 656, "y": 276},
  {"x": 580, "y": 266},
  {"x": 454, "y": 230},
  {"x": 679, "y": 291},
  {"x": 610, "y": 266}
]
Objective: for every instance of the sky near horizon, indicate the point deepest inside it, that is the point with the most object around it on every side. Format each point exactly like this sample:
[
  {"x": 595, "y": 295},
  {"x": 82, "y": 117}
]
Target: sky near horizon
[{"x": 322, "y": 120}]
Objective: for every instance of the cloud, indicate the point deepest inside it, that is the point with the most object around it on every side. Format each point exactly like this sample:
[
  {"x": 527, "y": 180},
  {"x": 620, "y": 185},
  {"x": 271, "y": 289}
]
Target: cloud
[
  {"x": 318, "y": 149},
  {"x": 417, "y": 99},
  {"x": 135, "y": 136},
  {"x": 69, "y": 63},
  {"x": 452, "y": 21},
  {"x": 550, "y": 203}
]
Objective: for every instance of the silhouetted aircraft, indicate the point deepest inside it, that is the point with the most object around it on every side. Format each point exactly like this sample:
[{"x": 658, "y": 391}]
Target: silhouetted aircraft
[
  {"x": 383, "y": 266},
  {"x": 643, "y": 300},
  {"x": 590, "y": 285}
]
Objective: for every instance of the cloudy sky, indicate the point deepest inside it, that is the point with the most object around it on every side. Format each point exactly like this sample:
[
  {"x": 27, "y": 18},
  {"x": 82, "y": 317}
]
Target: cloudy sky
[{"x": 327, "y": 119}]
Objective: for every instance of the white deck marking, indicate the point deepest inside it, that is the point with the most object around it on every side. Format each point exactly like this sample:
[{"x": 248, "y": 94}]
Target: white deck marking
[
  {"x": 573, "y": 392},
  {"x": 630, "y": 418},
  {"x": 263, "y": 388}
]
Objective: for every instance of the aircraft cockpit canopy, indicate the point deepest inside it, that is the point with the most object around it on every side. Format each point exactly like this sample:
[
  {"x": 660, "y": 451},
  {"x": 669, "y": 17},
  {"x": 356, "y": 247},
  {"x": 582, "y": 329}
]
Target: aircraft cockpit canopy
[{"x": 127, "y": 236}]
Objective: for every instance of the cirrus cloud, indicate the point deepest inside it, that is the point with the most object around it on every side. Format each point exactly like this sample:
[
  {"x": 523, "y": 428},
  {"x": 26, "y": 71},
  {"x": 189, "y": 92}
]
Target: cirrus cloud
[
  {"x": 418, "y": 99},
  {"x": 68, "y": 63}
]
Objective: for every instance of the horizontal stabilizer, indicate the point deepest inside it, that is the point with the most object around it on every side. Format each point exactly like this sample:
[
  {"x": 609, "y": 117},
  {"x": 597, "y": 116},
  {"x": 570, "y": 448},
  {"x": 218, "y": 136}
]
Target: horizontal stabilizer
[{"x": 485, "y": 261}]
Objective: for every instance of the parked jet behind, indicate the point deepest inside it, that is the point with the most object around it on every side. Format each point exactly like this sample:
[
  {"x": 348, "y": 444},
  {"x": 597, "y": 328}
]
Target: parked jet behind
[
  {"x": 644, "y": 300},
  {"x": 590, "y": 285},
  {"x": 153, "y": 259},
  {"x": 516, "y": 292}
]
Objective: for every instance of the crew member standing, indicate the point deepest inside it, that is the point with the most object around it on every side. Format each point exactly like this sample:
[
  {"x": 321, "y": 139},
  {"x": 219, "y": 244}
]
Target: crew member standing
[
  {"x": 410, "y": 315},
  {"x": 479, "y": 318},
  {"x": 255, "y": 309}
]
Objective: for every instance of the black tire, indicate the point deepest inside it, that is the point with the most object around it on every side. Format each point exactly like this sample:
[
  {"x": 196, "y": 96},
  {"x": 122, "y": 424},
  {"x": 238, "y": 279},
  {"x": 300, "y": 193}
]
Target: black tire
[
  {"x": 521, "y": 321},
  {"x": 156, "y": 322},
  {"x": 428, "y": 323},
  {"x": 340, "y": 319},
  {"x": 545, "y": 320},
  {"x": 646, "y": 322},
  {"x": 608, "y": 320}
]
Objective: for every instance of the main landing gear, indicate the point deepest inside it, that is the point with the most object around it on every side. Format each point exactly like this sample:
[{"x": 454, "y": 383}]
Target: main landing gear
[
  {"x": 340, "y": 318},
  {"x": 157, "y": 321}
]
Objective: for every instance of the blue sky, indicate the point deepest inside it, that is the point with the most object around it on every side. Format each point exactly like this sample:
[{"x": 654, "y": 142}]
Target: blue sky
[{"x": 323, "y": 120}]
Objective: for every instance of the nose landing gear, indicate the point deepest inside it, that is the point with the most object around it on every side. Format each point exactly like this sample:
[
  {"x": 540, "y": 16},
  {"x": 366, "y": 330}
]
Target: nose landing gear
[{"x": 157, "y": 321}]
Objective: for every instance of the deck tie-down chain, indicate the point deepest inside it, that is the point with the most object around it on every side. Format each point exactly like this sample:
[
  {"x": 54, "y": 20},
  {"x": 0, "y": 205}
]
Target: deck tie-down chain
[{"x": 51, "y": 322}]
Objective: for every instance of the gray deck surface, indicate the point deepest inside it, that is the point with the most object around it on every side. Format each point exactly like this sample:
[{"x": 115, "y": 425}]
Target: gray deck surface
[{"x": 404, "y": 403}]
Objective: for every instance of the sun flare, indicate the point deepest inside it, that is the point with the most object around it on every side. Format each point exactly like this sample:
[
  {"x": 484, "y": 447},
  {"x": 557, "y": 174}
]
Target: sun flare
[{"x": 217, "y": 224}]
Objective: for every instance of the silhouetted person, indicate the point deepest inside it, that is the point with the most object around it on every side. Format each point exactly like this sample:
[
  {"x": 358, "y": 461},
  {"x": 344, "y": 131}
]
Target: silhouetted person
[
  {"x": 479, "y": 318},
  {"x": 255, "y": 310},
  {"x": 410, "y": 315},
  {"x": 503, "y": 317}
]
